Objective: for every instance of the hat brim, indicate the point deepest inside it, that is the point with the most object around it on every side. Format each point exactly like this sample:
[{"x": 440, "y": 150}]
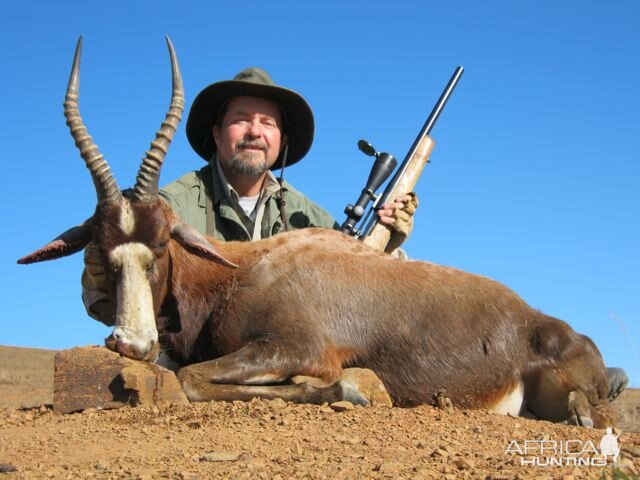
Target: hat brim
[{"x": 299, "y": 126}]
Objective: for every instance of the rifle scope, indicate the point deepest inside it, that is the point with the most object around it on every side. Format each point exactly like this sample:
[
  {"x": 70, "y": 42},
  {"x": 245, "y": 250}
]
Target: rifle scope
[{"x": 383, "y": 166}]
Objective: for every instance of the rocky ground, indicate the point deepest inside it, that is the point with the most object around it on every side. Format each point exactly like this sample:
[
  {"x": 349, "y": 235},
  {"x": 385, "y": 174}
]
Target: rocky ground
[{"x": 278, "y": 440}]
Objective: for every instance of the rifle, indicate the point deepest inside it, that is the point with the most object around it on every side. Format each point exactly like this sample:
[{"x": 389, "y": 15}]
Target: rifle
[{"x": 374, "y": 233}]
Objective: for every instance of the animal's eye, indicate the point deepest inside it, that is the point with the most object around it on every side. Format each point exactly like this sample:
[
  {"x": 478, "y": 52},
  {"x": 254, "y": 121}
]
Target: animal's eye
[{"x": 159, "y": 247}]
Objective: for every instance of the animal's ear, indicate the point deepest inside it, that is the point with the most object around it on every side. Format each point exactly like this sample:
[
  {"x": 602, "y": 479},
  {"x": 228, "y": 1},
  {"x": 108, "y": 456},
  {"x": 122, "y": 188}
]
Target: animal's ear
[
  {"x": 197, "y": 244},
  {"x": 68, "y": 243}
]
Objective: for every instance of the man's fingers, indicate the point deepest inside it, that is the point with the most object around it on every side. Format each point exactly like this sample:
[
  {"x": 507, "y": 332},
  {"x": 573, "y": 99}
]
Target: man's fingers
[
  {"x": 402, "y": 216},
  {"x": 404, "y": 198},
  {"x": 386, "y": 220}
]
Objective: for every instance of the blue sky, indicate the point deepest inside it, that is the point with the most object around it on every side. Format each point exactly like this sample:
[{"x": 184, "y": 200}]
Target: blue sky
[{"x": 533, "y": 182}]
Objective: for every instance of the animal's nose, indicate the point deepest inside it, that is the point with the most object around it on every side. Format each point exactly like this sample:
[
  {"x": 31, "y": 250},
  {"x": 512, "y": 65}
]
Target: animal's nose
[
  {"x": 117, "y": 343},
  {"x": 111, "y": 342}
]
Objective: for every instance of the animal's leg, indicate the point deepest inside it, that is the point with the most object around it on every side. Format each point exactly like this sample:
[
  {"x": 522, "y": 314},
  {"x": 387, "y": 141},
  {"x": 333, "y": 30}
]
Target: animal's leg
[
  {"x": 579, "y": 410},
  {"x": 553, "y": 394},
  {"x": 601, "y": 414},
  {"x": 298, "y": 393},
  {"x": 261, "y": 363}
]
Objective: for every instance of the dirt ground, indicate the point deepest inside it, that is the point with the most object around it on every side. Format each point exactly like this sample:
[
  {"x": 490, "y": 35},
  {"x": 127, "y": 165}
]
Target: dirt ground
[
  {"x": 276, "y": 440},
  {"x": 281, "y": 441}
]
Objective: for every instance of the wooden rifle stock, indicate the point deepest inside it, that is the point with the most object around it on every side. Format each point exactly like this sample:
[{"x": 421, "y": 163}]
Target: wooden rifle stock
[{"x": 377, "y": 235}]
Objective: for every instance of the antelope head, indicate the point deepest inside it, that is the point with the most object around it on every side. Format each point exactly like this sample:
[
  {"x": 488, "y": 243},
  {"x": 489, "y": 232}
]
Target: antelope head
[{"x": 132, "y": 229}]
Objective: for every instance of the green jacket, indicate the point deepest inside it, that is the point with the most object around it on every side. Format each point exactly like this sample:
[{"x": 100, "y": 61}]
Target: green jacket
[{"x": 188, "y": 197}]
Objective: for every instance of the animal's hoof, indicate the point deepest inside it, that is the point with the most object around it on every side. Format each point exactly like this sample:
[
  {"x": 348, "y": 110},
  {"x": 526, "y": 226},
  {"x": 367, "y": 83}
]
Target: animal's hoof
[
  {"x": 617, "y": 382},
  {"x": 580, "y": 421},
  {"x": 350, "y": 393}
]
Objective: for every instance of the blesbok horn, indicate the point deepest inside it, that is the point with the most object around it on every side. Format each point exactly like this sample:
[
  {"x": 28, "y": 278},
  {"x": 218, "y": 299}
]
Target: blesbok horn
[
  {"x": 107, "y": 189},
  {"x": 146, "y": 187}
]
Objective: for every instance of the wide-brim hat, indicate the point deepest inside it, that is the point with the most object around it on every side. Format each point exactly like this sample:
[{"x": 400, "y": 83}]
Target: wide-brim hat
[{"x": 298, "y": 123}]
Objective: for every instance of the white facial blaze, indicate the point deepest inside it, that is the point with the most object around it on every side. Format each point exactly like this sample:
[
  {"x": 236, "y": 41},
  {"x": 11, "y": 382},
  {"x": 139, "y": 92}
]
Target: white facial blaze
[
  {"x": 135, "y": 318},
  {"x": 127, "y": 219}
]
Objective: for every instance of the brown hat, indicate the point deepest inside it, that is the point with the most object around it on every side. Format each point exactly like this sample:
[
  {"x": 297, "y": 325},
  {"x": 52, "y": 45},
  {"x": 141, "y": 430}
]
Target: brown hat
[{"x": 251, "y": 82}]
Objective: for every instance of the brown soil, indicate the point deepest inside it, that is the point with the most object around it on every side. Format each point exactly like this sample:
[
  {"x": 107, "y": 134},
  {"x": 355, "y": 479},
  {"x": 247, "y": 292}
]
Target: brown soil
[{"x": 276, "y": 440}]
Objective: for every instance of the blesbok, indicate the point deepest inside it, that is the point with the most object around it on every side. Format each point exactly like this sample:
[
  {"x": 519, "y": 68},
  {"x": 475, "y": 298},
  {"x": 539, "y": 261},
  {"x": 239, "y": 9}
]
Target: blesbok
[{"x": 245, "y": 317}]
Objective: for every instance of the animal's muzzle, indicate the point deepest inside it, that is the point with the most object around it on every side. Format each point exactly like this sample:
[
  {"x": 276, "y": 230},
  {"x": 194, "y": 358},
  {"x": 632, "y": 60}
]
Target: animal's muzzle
[{"x": 129, "y": 350}]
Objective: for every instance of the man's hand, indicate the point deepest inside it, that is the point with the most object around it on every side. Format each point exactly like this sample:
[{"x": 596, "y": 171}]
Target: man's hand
[{"x": 398, "y": 217}]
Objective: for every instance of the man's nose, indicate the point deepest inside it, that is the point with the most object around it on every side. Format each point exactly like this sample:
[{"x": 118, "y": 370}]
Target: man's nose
[{"x": 255, "y": 129}]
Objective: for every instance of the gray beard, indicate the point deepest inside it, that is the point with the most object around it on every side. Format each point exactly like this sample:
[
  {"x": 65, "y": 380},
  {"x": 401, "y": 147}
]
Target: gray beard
[{"x": 240, "y": 166}]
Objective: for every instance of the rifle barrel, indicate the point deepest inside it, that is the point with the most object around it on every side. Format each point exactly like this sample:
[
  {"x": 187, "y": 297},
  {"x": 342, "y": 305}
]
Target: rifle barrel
[{"x": 426, "y": 129}]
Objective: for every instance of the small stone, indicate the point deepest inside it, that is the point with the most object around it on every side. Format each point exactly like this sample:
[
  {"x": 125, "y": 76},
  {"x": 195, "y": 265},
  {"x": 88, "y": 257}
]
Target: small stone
[
  {"x": 368, "y": 385},
  {"x": 464, "y": 463},
  {"x": 326, "y": 409},
  {"x": 442, "y": 401},
  {"x": 219, "y": 457},
  {"x": 422, "y": 469},
  {"x": 7, "y": 468},
  {"x": 341, "y": 406},
  {"x": 277, "y": 404},
  {"x": 389, "y": 467},
  {"x": 297, "y": 449},
  {"x": 188, "y": 476},
  {"x": 448, "y": 448},
  {"x": 439, "y": 452},
  {"x": 245, "y": 457}
]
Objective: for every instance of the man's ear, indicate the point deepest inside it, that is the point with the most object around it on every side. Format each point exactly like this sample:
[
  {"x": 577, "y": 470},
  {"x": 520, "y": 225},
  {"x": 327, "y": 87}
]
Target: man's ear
[{"x": 215, "y": 131}]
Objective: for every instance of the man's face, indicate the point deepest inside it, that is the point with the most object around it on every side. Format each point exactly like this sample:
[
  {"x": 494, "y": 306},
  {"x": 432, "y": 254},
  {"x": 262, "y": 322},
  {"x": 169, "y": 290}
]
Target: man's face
[{"x": 249, "y": 139}]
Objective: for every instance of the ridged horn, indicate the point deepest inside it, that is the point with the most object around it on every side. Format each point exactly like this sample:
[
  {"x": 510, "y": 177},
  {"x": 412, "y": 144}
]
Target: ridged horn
[
  {"x": 146, "y": 187},
  {"x": 107, "y": 189}
]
